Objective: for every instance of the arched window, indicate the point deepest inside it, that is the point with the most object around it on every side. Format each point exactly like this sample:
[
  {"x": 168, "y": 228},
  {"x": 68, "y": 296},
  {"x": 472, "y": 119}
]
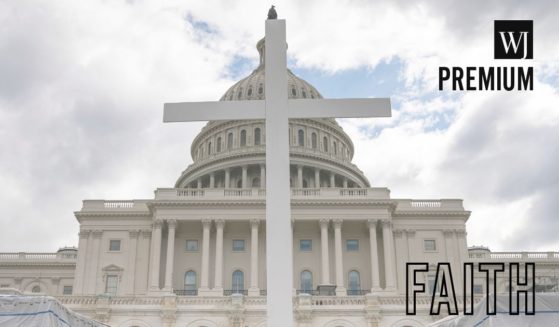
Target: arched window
[
  {"x": 36, "y": 289},
  {"x": 353, "y": 283},
  {"x": 306, "y": 281},
  {"x": 190, "y": 282},
  {"x": 218, "y": 145},
  {"x": 238, "y": 282},
  {"x": 249, "y": 92},
  {"x": 209, "y": 148},
  {"x": 325, "y": 142},
  {"x": 243, "y": 137},
  {"x": 257, "y": 136},
  {"x": 256, "y": 182},
  {"x": 314, "y": 140},
  {"x": 305, "y": 183},
  {"x": 301, "y": 138},
  {"x": 229, "y": 141},
  {"x": 240, "y": 183}
]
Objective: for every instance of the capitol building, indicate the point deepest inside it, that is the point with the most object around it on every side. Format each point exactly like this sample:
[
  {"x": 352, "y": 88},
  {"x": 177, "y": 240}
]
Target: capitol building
[{"x": 195, "y": 254}]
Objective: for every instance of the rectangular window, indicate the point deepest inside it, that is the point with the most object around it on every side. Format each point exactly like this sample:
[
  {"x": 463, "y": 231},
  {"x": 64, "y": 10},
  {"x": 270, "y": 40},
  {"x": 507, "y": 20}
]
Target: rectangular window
[
  {"x": 114, "y": 245},
  {"x": 431, "y": 284},
  {"x": 305, "y": 245},
  {"x": 238, "y": 245},
  {"x": 67, "y": 290},
  {"x": 430, "y": 245},
  {"x": 4, "y": 285},
  {"x": 478, "y": 289},
  {"x": 191, "y": 245},
  {"x": 352, "y": 245},
  {"x": 111, "y": 284}
]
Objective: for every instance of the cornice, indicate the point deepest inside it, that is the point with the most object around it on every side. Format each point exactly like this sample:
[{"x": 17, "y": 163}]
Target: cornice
[{"x": 431, "y": 213}]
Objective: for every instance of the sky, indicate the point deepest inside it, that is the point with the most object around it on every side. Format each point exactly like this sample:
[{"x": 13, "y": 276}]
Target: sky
[{"x": 82, "y": 87}]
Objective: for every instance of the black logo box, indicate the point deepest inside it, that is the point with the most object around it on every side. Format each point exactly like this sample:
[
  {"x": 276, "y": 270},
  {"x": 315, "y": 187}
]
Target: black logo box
[{"x": 519, "y": 29}]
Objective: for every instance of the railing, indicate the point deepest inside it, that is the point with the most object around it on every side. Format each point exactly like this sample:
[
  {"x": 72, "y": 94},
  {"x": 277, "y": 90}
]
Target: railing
[
  {"x": 305, "y": 192},
  {"x": 260, "y": 194},
  {"x": 231, "y": 292},
  {"x": 514, "y": 255},
  {"x": 190, "y": 192},
  {"x": 118, "y": 204},
  {"x": 353, "y": 192},
  {"x": 430, "y": 205},
  {"x": 237, "y": 192},
  {"x": 115, "y": 205},
  {"x": 338, "y": 300},
  {"x": 425, "y": 204},
  {"x": 30, "y": 256},
  {"x": 185, "y": 292}
]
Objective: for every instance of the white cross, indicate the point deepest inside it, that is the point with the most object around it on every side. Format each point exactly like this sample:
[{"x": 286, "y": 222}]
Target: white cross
[{"x": 276, "y": 109}]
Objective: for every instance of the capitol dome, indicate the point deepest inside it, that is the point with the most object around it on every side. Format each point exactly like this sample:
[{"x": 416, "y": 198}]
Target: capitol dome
[
  {"x": 252, "y": 87},
  {"x": 231, "y": 154}
]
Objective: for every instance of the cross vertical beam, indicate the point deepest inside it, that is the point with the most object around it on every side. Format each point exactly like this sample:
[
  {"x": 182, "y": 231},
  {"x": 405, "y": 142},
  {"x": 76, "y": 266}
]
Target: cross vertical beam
[{"x": 279, "y": 244}]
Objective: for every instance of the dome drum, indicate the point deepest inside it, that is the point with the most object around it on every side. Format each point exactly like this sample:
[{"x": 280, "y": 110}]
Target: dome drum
[{"x": 231, "y": 154}]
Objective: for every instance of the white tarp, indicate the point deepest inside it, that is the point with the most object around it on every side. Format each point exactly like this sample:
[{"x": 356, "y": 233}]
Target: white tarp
[
  {"x": 547, "y": 314},
  {"x": 44, "y": 311}
]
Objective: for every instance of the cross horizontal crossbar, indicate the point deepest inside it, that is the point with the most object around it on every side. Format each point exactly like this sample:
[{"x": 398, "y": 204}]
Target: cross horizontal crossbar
[{"x": 297, "y": 108}]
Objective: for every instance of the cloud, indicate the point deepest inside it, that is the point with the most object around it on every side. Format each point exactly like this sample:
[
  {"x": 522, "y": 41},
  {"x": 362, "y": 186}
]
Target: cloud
[
  {"x": 83, "y": 85},
  {"x": 498, "y": 153}
]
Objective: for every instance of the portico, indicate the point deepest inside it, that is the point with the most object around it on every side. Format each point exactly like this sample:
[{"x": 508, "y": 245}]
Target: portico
[{"x": 234, "y": 244}]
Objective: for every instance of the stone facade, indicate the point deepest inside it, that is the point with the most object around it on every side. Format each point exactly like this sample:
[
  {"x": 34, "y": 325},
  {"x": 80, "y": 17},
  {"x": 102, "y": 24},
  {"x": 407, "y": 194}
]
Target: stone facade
[{"x": 194, "y": 255}]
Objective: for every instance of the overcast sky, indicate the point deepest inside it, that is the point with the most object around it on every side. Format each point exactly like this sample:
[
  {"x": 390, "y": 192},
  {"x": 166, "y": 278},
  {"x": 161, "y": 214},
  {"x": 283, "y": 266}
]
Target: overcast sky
[{"x": 82, "y": 87}]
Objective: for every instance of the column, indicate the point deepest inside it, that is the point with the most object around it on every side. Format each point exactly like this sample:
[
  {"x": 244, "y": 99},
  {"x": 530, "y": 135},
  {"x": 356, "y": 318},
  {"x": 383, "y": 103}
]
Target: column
[
  {"x": 199, "y": 182},
  {"x": 388, "y": 240},
  {"x": 447, "y": 235},
  {"x": 332, "y": 180},
  {"x": 206, "y": 224},
  {"x": 324, "y": 251},
  {"x": 132, "y": 252},
  {"x": 299, "y": 176},
  {"x": 254, "y": 290},
  {"x": 171, "y": 226},
  {"x": 81, "y": 262},
  {"x": 141, "y": 285},
  {"x": 340, "y": 285},
  {"x": 93, "y": 273},
  {"x": 345, "y": 182},
  {"x": 316, "y": 178},
  {"x": 155, "y": 262},
  {"x": 375, "y": 280},
  {"x": 262, "y": 176},
  {"x": 218, "y": 278},
  {"x": 244, "y": 177},
  {"x": 458, "y": 261},
  {"x": 212, "y": 180},
  {"x": 227, "y": 178},
  {"x": 410, "y": 235}
]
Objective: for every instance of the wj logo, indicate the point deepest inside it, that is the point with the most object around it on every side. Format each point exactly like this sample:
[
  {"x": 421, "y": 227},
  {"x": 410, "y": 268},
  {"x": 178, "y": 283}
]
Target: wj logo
[{"x": 514, "y": 39}]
